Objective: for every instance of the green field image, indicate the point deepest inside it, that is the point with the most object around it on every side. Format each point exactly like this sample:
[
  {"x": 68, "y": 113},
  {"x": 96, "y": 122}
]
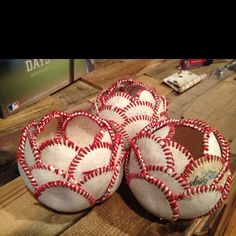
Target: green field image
[
  {"x": 18, "y": 84},
  {"x": 27, "y": 80}
]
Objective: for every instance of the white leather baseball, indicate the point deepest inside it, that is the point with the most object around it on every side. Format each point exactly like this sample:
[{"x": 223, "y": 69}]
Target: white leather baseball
[
  {"x": 179, "y": 169},
  {"x": 71, "y": 161},
  {"x": 130, "y": 106}
]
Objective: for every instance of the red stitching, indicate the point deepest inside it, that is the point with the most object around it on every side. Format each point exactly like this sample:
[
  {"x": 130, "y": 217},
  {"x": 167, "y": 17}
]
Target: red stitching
[
  {"x": 100, "y": 135},
  {"x": 201, "y": 161},
  {"x": 53, "y": 169},
  {"x": 155, "y": 125},
  {"x": 60, "y": 116},
  {"x": 224, "y": 145},
  {"x": 119, "y": 94},
  {"x": 171, "y": 173},
  {"x": 168, "y": 154},
  {"x": 29, "y": 134},
  {"x": 105, "y": 170},
  {"x": 58, "y": 141},
  {"x": 100, "y": 100},
  {"x": 107, "y": 126},
  {"x": 59, "y": 183},
  {"x": 118, "y": 83},
  {"x": 167, "y": 192},
  {"x": 83, "y": 152},
  {"x": 138, "y": 103},
  {"x": 75, "y": 114},
  {"x": 224, "y": 196},
  {"x": 134, "y": 119},
  {"x": 126, "y": 162},
  {"x": 138, "y": 157},
  {"x": 122, "y": 131},
  {"x": 226, "y": 187},
  {"x": 192, "y": 191},
  {"x": 195, "y": 124},
  {"x": 117, "y": 143},
  {"x": 31, "y": 138},
  {"x": 181, "y": 148},
  {"x": 116, "y": 110},
  {"x": 27, "y": 172},
  {"x": 95, "y": 172}
]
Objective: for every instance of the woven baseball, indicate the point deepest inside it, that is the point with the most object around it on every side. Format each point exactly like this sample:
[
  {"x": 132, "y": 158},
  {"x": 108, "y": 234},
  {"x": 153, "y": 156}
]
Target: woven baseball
[
  {"x": 179, "y": 169},
  {"x": 70, "y": 162},
  {"x": 130, "y": 105}
]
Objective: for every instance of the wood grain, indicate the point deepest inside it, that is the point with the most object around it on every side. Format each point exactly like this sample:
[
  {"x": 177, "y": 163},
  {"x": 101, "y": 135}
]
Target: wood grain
[
  {"x": 108, "y": 74},
  {"x": 198, "y": 102},
  {"x": 115, "y": 217},
  {"x": 163, "y": 70},
  {"x": 73, "y": 97},
  {"x": 212, "y": 101},
  {"x": 21, "y": 214},
  {"x": 226, "y": 224},
  {"x": 68, "y": 97},
  {"x": 160, "y": 87}
]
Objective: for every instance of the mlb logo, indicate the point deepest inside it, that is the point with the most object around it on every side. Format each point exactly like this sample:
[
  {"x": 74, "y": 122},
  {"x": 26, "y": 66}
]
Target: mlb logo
[{"x": 13, "y": 106}]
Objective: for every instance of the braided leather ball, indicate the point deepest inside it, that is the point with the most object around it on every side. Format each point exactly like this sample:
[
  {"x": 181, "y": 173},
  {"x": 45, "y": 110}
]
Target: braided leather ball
[{"x": 70, "y": 161}]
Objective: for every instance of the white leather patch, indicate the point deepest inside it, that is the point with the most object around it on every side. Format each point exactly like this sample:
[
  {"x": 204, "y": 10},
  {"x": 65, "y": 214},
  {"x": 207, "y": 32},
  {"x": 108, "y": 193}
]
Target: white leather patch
[
  {"x": 63, "y": 199},
  {"x": 152, "y": 152},
  {"x": 198, "y": 205},
  {"x": 214, "y": 147},
  {"x": 82, "y": 130},
  {"x": 151, "y": 198}
]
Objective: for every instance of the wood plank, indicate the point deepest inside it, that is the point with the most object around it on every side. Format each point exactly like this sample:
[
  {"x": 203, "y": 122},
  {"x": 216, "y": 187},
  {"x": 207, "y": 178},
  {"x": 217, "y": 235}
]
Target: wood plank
[
  {"x": 230, "y": 229},
  {"x": 84, "y": 106},
  {"x": 9, "y": 145},
  {"x": 20, "y": 119},
  {"x": 152, "y": 65},
  {"x": 178, "y": 103},
  {"x": 60, "y": 101},
  {"x": 224, "y": 219},
  {"x": 210, "y": 68},
  {"x": 191, "y": 104},
  {"x": 216, "y": 106},
  {"x": 75, "y": 94},
  {"x": 102, "y": 63},
  {"x": 105, "y": 76},
  {"x": 160, "y": 87},
  {"x": 73, "y": 97},
  {"x": 8, "y": 167},
  {"x": 226, "y": 223},
  {"x": 119, "y": 215},
  {"x": 163, "y": 70},
  {"x": 21, "y": 214},
  {"x": 172, "y": 66},
  {"x": 214, "y": 102}
]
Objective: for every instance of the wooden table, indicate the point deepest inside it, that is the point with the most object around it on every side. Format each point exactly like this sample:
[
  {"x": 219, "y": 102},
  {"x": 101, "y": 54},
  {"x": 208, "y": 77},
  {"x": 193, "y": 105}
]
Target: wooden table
[{"x": 213, "y": 101}]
